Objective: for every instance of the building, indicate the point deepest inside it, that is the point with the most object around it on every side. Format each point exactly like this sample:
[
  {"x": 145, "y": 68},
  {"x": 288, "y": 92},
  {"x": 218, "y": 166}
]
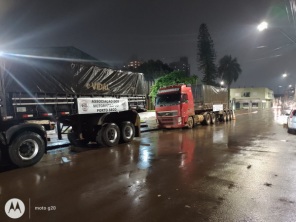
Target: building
[
  {"x": 255, "y": 98},
  {"x": 134, "y": 64},
  {"x": 181, "y": 65}
]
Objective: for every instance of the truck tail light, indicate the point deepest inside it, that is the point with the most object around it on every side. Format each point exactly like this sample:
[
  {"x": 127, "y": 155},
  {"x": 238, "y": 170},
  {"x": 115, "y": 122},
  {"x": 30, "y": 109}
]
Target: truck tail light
[
  {"x": 46, "y": 114},
  {"x": 27, "y": 115},
  {"x": 64, "y": 113}
]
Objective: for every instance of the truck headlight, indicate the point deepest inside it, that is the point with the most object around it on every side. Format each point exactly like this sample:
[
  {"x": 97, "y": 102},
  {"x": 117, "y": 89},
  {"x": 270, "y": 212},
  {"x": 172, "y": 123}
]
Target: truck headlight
[{"x": 179, "y": 120}]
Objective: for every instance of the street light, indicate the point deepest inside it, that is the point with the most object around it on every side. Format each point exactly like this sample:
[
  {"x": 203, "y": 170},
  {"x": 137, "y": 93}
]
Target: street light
[{"x": 262, "y": 26}]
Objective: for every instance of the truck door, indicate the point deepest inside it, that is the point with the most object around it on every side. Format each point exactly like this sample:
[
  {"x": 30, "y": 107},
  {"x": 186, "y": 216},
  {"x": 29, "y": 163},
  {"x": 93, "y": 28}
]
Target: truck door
[{"x": 186, "y": 107}]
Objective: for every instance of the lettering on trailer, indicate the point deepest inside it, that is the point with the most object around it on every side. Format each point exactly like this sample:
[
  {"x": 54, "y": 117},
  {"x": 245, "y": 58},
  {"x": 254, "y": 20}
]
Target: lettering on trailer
[
  {"x": 168, "y": 90},
  {"x": 101, "y": 105},
  {"x": 98, "y": 86}
]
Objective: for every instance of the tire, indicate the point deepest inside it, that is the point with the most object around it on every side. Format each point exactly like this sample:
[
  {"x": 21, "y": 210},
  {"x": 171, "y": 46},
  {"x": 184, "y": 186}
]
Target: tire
[
  {"x": 213, "y": 118},
  {"x": 223, "y": 117},
  {"x": 73, "y": 139},
  {"x": 227, "y": 116},
  {"x": 110, "y": 134},
  {"x": 207, "y": 120},
  {"x": 231, "y": 115},
  {"x": 26, "y": 149},
  {"x": 99, "y": 138},
  {"x": 190, "y": 122},
  {"x": 127, "y": 132}
]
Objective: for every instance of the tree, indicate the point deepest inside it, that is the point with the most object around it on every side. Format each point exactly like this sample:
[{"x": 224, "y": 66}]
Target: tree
[
  {"x": 153, "y": 69},
  {"x": 229, "y": 70},
  {"x": 172, "y": 78},
  {"x": 206, "y": 56}
]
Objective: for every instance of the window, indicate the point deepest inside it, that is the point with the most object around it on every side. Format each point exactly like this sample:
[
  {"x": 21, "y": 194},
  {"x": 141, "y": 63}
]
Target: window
[
  {"x": 245, "y": 104},
  {"x": 246, "y": 94},
  {"x": 255, "y": 105},
  {"x": 184, "y": 98}
]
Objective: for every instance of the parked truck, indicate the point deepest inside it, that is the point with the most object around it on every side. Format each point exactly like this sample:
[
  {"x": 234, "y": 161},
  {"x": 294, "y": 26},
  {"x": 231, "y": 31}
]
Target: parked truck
[
  {"x": 182, "y": 105},
  {"x": 89, "y": 103}
]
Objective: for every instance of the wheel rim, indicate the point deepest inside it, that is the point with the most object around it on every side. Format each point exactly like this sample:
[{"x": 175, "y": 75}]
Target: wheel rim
[
  {"x": 112, "y": 135},
  {"x": 28, "y": 149},
  {"x": 128, "y": 131}
]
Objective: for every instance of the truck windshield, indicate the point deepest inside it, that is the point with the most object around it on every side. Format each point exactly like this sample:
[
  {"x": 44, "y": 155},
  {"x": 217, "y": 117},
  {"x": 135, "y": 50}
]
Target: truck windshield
[{"x": 168, "y": 99}]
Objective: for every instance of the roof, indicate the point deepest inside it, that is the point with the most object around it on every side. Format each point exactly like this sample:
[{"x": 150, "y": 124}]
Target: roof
[{"x": 66, "y": 52}]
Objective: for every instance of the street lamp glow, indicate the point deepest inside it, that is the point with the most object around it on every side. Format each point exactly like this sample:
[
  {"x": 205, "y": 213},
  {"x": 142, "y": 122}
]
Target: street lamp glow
[
  {"x": 222, "y": 83},
  {"x": 262, "y": 26},
  {"x": 285, "y": 75}
]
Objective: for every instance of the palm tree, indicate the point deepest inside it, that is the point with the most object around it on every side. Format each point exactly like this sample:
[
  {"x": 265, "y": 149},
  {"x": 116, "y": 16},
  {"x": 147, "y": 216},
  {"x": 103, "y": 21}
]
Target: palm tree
[{"x": 229, "y": 70}]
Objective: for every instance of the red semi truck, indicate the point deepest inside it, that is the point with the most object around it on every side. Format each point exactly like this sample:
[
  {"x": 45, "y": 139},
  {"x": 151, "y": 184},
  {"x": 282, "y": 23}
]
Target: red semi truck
[{"x": 182, "y": 105}]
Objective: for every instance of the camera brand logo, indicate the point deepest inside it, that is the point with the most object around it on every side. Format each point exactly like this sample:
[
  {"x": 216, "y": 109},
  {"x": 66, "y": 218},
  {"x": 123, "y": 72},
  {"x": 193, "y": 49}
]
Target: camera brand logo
[{"x": 14, "y": 208}]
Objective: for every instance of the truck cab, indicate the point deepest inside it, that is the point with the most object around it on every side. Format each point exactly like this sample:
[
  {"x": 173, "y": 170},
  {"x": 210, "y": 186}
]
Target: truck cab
[{"x": 173, "y": 105}]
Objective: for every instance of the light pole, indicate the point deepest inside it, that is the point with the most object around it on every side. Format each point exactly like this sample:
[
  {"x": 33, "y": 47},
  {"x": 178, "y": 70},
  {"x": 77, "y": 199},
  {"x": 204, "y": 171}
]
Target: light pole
[{"x": 263, "y": 26}]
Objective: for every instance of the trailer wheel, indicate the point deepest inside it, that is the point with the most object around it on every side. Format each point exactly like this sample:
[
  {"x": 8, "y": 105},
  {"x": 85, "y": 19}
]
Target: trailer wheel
[
  {"x": 207, "y": 119},
  {"x": 99, "y": 138},
  {"x": 230, "y": 115},
  {"x": 73, "y": 139},
  {"x": 223, "y": 117},
  {"x": 213, "y": 118},
  {"x": 190, "y": 122},
  {"x": 110, "y": 134},
  {"x": 26, "y": 149},
  {"x": 127, "y": 130}
]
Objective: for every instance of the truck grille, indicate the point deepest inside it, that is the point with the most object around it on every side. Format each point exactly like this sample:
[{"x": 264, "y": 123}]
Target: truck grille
[
  {"x": 168, "y": 120},
  {"x": 167, "y": 113}
]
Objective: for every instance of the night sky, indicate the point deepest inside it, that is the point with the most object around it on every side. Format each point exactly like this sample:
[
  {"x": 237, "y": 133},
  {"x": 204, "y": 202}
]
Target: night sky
[{"x": 115, "y": 30}]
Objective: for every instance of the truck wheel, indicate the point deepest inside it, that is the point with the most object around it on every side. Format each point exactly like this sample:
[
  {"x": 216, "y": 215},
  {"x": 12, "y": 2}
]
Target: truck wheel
[
  {"x": 223, "y": 117},
  {"x": 227, "y": 116},
  {"x": 190, "y": 122},
  {"x": 127, "y": 130},
  {"x": 207, "y": 120},
  {"x": 99, "y": 138},
  {"x": 26, "y": 149},
  {"x": 110, "y": 134},
  {"x": 213, "y": 118},
  {"x": 230, "y": 115},
  {"x": 73, "y": 139}
]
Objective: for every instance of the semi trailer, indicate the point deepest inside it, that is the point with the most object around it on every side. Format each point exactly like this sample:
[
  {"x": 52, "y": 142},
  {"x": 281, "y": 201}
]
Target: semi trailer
[
  {"x": 84, "y": 101},
  {"x": 182, "y": 105}
]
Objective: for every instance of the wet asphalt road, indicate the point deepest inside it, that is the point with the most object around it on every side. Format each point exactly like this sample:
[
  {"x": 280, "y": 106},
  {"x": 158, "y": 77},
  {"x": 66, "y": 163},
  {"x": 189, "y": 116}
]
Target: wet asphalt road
[{"x": 243, "y": 170}]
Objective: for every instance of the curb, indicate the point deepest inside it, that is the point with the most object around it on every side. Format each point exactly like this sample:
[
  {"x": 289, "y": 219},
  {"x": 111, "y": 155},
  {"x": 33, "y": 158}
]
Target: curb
[{"x": 149, "y": 130}]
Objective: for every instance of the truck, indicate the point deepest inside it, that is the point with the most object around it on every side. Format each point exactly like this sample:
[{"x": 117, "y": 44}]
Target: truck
[
  {"x": 181, "y": 105},
  {"x": 87, "y": 102}
]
